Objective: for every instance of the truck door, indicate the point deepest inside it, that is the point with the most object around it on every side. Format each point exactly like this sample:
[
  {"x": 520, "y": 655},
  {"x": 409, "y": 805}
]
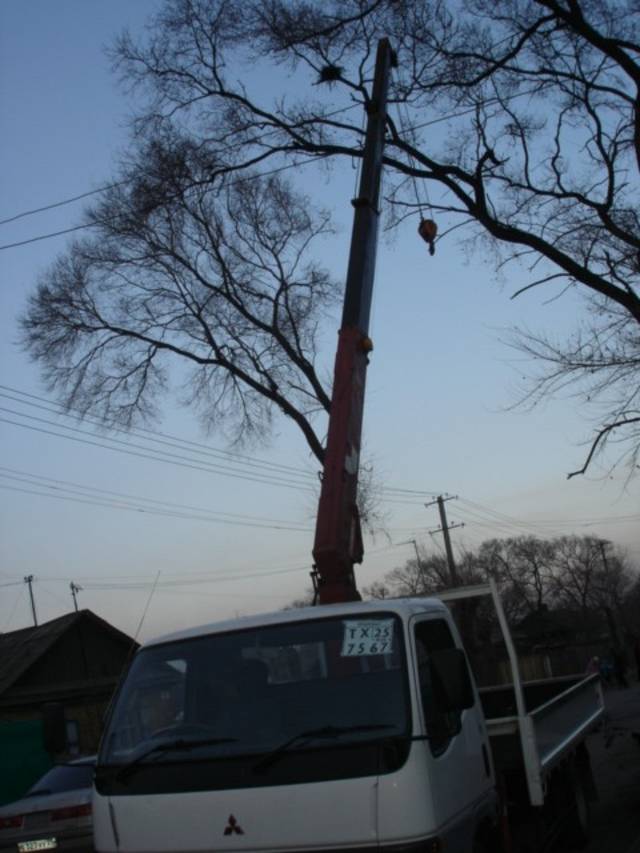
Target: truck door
[{"x": 461, "y": 779}]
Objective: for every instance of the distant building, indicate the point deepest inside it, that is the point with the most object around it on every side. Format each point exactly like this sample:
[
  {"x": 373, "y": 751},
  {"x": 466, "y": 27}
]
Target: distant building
[
  {"x": 564, "y": 639},
  {"x": 75, "y": 660}
]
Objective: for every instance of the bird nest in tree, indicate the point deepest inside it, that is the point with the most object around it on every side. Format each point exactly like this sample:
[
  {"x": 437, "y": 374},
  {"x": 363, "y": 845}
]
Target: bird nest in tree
[{"x": 330, "y": 73}]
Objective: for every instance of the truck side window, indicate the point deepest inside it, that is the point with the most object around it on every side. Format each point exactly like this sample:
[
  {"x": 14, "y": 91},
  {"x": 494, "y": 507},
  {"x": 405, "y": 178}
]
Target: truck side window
[{"x": 433, "y": 635}]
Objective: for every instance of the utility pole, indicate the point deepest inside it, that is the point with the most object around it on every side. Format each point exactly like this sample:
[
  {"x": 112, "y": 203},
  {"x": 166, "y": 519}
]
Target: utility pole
[
  {"x": 29, "y": 579},
  {"x": 465, "y": 614},
  {"x": 444, "y": 529},
  {"x": 74, "y": 589},
  {"x": 338, "y": 536},
  {"x": 613, "y": 627},
  {"x": 602, "y": 543},
  {"x": 418, "y": 560}
]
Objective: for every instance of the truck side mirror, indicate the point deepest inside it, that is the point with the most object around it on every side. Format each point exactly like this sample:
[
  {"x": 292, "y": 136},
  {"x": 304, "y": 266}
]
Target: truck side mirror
[
  {"x": 450, "y": 680},
  {"x": 54, "y": 728}
]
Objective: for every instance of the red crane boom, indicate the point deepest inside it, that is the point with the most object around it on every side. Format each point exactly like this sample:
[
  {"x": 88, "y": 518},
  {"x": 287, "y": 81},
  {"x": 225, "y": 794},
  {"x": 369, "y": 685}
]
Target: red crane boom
[{"x": 338, "y": 538}]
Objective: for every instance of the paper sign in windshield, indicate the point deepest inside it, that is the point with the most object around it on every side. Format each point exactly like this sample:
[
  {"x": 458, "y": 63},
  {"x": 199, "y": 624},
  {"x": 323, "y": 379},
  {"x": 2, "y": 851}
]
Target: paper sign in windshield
[{"x": 367, "y": 637}]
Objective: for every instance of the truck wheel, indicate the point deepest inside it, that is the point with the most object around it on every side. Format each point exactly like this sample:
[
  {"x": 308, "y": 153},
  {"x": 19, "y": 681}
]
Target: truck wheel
[
  {"x": 576, "y": 832},
  {"x": 487, "y": 840},
  {"x": 480, "y": 845}
]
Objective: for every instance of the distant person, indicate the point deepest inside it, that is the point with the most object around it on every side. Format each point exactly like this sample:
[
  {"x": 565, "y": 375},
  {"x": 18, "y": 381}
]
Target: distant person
[
  {"x": 593, "y": 666},
  {"x": 606, "y": 670},
  {"x": 619, "y": 668}
]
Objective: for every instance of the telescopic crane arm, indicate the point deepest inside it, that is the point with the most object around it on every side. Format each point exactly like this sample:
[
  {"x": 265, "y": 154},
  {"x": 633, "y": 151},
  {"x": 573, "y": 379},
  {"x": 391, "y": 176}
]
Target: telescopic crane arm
[{"x": 338, "y": 538}]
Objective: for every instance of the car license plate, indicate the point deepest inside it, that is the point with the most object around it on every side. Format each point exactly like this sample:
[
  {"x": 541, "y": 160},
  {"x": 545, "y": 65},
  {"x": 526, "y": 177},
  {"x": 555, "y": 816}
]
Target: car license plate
[{"x": 39, "y": 844}]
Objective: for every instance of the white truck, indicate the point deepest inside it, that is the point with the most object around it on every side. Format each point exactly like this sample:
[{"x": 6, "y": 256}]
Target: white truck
[{"x": 348, "y": 727}]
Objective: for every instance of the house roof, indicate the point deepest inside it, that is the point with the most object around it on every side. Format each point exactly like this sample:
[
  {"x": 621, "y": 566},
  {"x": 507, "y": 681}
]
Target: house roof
[
  {"x": 19, "y": 650},
  {"x": 560, "y": 623},
  {"x": 544, "y": 622}
]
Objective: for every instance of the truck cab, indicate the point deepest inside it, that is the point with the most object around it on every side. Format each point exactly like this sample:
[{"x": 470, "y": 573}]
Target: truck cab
[{"x": 349, "y": 726}]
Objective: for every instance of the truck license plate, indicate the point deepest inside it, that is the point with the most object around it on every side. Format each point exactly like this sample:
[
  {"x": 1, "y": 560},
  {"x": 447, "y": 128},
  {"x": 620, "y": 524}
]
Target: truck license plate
[{"x": 39, "y": 844}]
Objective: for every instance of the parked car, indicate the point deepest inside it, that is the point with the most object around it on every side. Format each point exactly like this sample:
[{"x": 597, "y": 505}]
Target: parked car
[{"x": 55, "y": 814}]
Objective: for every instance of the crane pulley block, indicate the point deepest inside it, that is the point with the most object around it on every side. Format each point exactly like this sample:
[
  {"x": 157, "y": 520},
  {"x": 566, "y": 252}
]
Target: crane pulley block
[{"x": 428, "y": 230}]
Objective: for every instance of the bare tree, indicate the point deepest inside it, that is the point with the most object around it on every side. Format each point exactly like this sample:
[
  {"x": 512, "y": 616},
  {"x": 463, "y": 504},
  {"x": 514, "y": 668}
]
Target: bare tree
[
  {"x": 378, "y": 589},
  {"x": 216, "y": 284},
  {"x": 578, "y": 561},
  {"x": 587, "y": 579},
  {"x": 533, "y": 574},
  {"x": 523, "y": 566},
  {"x": 631, "y": 605},
  {"x": 523, "y": 115},
  {"x": 427, "y": 574},
  {"x": 600, "y": 362},
  {"x": 424, "y": 576},
  {"x": 307, "y": 600}
]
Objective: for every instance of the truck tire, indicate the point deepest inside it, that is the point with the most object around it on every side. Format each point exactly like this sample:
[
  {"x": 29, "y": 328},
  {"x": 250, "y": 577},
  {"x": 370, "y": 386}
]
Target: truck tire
[
  {"x": 576, "y": 831},
  {"x": 487, "y": 839},
  {"x": 482, "y": 843}
]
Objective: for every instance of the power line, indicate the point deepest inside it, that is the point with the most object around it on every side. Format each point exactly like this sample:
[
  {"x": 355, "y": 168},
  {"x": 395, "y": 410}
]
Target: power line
[
  {"x": 106, "y": 187},
  {"x": 46, "y": 236},
  {"x": 15, "y": 607},
  {"x": 62, "y": 202},
  {"x": 170, "y": 440},
  {"x": 135, "y": 501},
  {"x": 143, "y": 452},
  {"x": 217, "y": 594},
  {"x": 506, "y": 519},
  {"x": 177, "y": 587},
  {"x": 203, "y": 581},
  {"x": 54, "y": 595},
  {"x": 505, "y": 527},
  {"x": 311, "y": 159},
  {"x": 157, "y": 458},
  {"x": 197, "y": 447},
  {"x": 511, "y": 527},
  {"x": 502, "y": 529},
  {"x": 182, "y": 579},
  {"x": 554, "y": 521},
  {"x": 418, "y": 492},
  {"x": 400, "y": 502},
  {"x": 149, "y": 511},
  {"x": 542, "y": 525},
  {"x": 495, "y": 100}
]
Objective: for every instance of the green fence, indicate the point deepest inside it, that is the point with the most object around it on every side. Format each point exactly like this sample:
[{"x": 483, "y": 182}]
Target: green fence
[{"x": 24, "y": 758}]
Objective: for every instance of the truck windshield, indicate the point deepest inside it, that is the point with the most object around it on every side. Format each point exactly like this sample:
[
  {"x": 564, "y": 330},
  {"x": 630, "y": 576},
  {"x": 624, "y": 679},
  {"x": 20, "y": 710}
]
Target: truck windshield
[{"x": 246, "y": 693}]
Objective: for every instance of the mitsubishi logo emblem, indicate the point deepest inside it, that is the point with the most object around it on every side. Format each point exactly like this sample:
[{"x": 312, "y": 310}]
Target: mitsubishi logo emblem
[{"x": 233, "y": 827}]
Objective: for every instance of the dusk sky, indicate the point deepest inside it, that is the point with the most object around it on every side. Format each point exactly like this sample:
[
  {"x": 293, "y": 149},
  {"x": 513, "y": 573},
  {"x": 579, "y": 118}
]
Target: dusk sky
[{"x": 224, "y": 535}]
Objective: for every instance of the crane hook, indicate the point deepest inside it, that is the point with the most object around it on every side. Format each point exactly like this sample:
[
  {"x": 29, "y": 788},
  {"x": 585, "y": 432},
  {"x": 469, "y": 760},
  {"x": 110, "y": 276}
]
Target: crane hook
[{"x": 428, "y": 230}]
